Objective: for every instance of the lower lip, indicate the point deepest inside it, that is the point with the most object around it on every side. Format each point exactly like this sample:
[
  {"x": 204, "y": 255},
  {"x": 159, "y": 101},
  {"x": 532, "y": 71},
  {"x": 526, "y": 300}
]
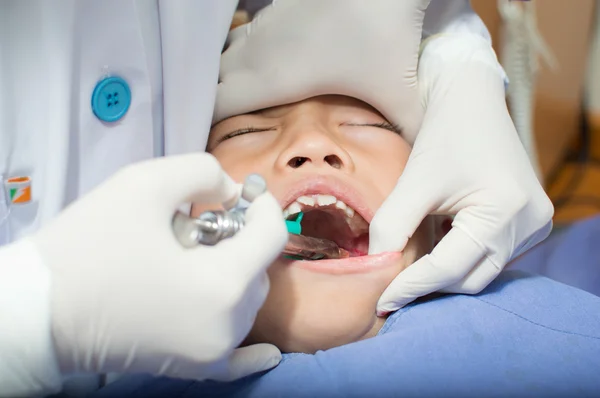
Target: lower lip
[{"x": 352, "y": 265}]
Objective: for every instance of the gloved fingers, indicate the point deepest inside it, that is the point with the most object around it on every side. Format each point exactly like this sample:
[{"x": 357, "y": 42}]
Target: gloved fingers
[
  {"x": 453, "y": 258},
  {"x": 251, "y": 359},
  {"x": 261, "y": 240},
  {"x": 188, "y": 178},
  {"x": 476, "y": 280},
  {"x": 256, "y": 293},
  {"x": 261, "y": 288},
  {"x": 401, "y": 214},
  {"x": 537, "y": 237},
  {"x": 234, "y": 200}
]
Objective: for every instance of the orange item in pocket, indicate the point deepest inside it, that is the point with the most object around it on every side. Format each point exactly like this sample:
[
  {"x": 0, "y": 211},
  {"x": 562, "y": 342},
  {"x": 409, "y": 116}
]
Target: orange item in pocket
[{"x": 19, "y": 190}]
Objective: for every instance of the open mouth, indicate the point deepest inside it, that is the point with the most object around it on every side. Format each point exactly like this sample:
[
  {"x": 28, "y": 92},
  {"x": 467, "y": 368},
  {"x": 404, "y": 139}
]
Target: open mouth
[
  {"x": 327, "y": 217},
  {"x": 326, "y": 214}
]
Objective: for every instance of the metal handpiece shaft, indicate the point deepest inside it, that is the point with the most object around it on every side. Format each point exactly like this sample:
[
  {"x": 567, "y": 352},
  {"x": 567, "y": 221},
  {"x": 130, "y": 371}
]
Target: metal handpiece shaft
[
  {"x": 209, "y": 228},
  {"x": 310, "y": 248}
]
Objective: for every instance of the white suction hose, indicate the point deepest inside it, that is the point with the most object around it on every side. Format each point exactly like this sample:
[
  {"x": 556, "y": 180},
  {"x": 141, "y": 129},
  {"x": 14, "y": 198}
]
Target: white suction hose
[{"x": 521, "y": 45}]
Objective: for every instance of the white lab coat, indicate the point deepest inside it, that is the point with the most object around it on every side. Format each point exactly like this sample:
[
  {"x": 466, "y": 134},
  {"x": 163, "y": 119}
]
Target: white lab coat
[{"x": 52, "y": 54}]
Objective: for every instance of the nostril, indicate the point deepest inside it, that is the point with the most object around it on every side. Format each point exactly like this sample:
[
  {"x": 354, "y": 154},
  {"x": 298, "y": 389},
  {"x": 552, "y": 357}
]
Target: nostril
[
  {"x": 297, "y": 162},
  {"x": 334, "y": 161}
]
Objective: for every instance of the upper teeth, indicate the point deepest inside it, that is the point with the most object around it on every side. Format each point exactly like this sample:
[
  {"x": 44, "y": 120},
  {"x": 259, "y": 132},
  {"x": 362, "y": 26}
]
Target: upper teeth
[{"x": 315, "y": 201}]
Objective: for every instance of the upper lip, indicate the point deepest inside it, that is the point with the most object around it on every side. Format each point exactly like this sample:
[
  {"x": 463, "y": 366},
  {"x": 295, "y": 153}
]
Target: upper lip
[{"x": 328, "y": 185}]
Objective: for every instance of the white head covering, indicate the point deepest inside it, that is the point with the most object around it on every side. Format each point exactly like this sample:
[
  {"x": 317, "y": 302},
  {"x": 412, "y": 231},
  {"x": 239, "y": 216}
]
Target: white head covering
[{"x": 297, "y": 49}]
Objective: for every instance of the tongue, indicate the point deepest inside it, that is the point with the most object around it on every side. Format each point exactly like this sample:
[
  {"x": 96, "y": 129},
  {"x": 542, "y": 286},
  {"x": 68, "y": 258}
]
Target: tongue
[{"x": 333, "y": 226}]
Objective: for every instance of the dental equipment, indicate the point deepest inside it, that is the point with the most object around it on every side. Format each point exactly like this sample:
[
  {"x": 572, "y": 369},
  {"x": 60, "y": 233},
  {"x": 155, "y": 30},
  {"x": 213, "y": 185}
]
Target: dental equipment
[
  {"x": 308, "y": 248},
  {"x": 213, "y": 226}
]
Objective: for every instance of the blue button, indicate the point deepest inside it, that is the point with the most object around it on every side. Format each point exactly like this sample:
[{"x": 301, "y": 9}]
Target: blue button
[{"x": 111, "y": 99}]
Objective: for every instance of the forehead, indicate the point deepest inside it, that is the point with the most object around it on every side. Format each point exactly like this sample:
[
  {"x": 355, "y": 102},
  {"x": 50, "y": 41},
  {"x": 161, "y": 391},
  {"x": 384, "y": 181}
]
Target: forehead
[
  {"x": 323, "y": 103},
  {"x": 328, "y": 102}
]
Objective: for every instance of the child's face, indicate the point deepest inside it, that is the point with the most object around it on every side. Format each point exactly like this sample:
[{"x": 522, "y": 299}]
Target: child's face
[{"x": 324, "y": 145}]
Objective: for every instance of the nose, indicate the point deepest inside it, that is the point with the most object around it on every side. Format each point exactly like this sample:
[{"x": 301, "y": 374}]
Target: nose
[{"x": 314, "y": 147}]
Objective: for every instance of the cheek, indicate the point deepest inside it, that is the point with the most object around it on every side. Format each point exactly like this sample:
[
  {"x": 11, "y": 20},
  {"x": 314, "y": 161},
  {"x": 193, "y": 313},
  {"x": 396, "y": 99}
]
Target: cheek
[
  {"x": 307, "y": 311},
  {"x": 239, "y": 163},
  {"x": 238, "y": 166},
  {"x": 233, "y": 165},
  {"x": 383, "y": 164},
  {"x": 391, "y": 161}
]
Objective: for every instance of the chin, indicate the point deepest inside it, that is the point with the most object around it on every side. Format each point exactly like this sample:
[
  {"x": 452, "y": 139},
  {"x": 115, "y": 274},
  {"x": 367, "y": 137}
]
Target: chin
[
  {"x": 307, "y": 311},
  {"x": 312, "y": 332},
  {"x": 325, "y": 337}
]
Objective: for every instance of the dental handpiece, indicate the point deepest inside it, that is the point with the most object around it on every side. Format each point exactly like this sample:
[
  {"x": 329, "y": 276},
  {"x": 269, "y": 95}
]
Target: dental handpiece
[
  {"x": 213, "y": 226},
  {"x": 208, "y": 229}
]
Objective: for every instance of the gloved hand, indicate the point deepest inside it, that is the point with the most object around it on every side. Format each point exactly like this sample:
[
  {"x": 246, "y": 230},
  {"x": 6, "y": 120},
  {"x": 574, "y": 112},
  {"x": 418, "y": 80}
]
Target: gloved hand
[
  {"x": 295, "y": 49},
  {"x": 467, "y": 160},
  {"x": 126, "y": 296}
]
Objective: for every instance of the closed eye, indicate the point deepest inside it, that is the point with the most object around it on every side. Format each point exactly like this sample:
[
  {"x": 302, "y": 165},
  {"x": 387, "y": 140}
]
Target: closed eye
[
  {"x": 242, "y": 131},
  {"x": 394, "y": 128}
]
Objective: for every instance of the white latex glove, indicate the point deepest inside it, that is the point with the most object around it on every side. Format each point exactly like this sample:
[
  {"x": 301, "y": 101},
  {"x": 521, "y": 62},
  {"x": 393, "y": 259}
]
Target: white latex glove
[
  {"x": 467, "y": 160},
  {"x": 126, "y": 297},
  {"x": 296, "y": 49}
]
